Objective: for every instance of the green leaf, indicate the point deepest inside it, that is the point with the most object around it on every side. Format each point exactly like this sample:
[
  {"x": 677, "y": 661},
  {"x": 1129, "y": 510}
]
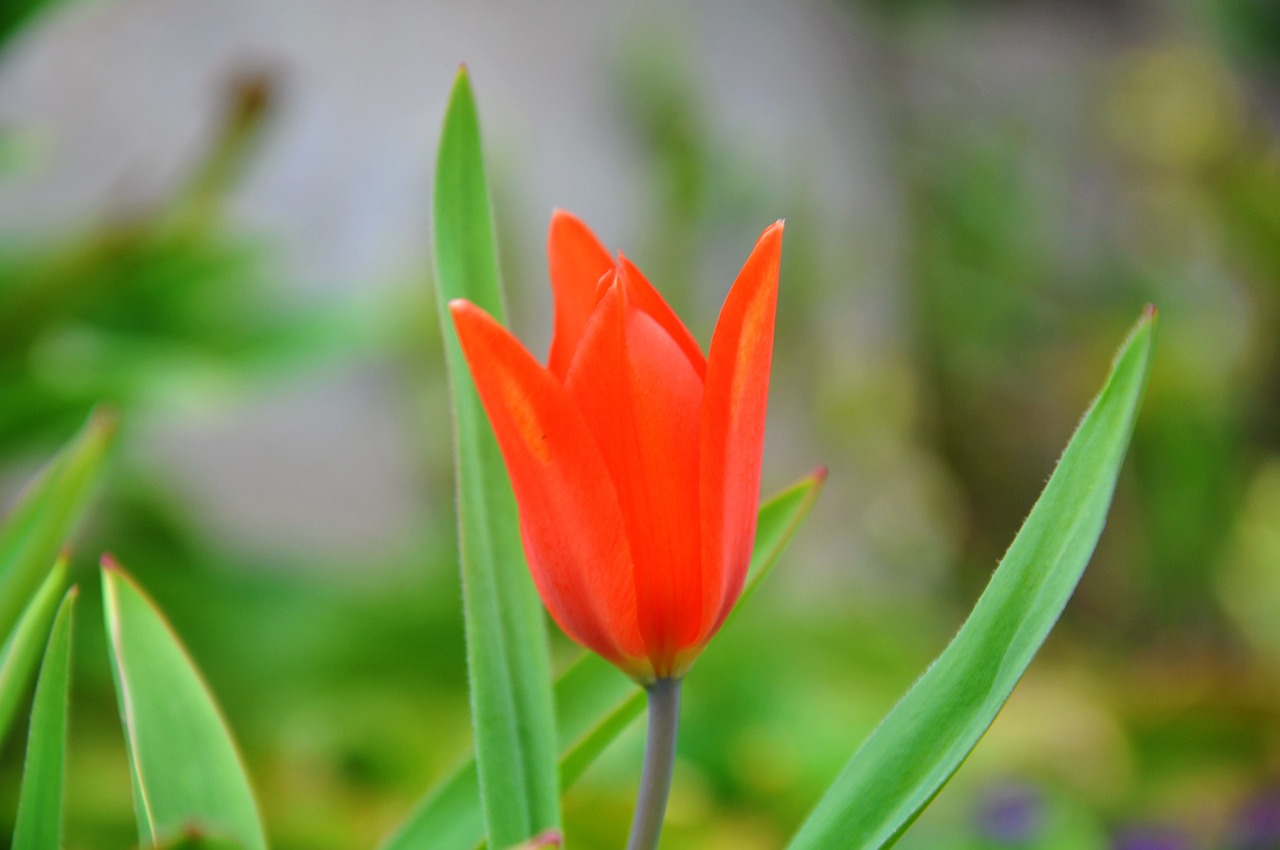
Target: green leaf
[
  {"x": 21, "y": 651},
  {"x": 922, "y": 742},
  {"x": 507, "y": 653},
  {"x": 594, "y": 701},
  {"x": 187, "y": 774},
  {"x": 45, "y": 516},
  {"x": 39, "y": 822}
]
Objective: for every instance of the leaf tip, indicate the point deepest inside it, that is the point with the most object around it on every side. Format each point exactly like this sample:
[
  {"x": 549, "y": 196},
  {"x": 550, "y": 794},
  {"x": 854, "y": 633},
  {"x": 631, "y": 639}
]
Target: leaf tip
[
  {"x": 1141, "y": 335},
  {"x": 546, "y": 840},
  {"x": 461, "y": 83},
  {"x": 109, "y": 563}
]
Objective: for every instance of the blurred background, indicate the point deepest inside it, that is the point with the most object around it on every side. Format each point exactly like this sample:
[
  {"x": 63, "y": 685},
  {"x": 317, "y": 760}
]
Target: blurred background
[{"x": 213, "y": 215}]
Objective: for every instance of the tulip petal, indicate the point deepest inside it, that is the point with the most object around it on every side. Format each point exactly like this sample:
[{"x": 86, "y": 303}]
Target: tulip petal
[
  {"x": 642, "y": 294},
  {"x": 569, "y": 514},
  {"x": 577, "y": 261},
  {"x": 641, "y": 399},
  {"x": 733, "y": 418}
]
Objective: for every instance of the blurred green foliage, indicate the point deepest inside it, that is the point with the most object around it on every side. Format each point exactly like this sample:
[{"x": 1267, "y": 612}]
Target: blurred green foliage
[{"x": 168, "y": 307}]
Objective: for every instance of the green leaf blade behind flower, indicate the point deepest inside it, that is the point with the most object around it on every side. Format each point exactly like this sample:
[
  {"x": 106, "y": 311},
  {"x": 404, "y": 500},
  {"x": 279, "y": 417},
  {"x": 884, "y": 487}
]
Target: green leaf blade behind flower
[
  {"x": 21, "y": 652},
  {"x": 922, "y": 742},
  {"x": 38, "y": 527},
  {"x": 594, "y": 701},
  {"x": 507, "y": 652},
  {"x": 187, "y": 773},
  {"x": 39, "y": 820}
]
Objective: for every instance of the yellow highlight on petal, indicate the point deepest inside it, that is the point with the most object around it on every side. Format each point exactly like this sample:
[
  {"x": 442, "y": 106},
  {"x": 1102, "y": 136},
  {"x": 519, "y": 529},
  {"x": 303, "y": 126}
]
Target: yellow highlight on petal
[
  {"x": 759, "y": 311},
  {"x": 525, "y": 418}
]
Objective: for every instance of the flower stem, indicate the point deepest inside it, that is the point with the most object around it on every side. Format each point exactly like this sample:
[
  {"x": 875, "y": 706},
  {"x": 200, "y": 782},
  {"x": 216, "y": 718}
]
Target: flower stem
[{"x": 659, "y": 759}]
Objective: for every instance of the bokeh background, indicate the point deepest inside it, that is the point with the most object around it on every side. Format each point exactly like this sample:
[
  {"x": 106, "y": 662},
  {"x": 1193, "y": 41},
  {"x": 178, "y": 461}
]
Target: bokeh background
[{"x": 213, "y": 215}]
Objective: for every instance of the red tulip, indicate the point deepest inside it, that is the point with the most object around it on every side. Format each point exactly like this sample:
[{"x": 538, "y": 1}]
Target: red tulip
[{"x": 635, "y": 461}]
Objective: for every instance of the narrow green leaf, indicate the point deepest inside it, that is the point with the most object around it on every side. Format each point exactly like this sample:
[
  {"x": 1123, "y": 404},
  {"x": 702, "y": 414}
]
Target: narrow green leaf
[
  {"x": 46, "y": 515},
  {"x": 21, "y": 650},
  {"x": 507, "y": 654},
  {"x": 448, "y": 818},
  {"x": 594, "y": 701},
  {"x": 922, "y": 742},
  {"x": 187, "y": 775},
  {"x": 39, "y": 822}
]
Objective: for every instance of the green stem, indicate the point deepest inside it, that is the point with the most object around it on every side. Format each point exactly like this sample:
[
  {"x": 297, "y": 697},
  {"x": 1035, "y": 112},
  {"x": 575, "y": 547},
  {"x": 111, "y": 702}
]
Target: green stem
[{"x": 659, "y": 760}]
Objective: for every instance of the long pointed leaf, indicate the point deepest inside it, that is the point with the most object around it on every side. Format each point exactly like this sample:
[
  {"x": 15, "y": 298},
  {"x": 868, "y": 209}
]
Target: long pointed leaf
[
  {"x": 922, "y": 742},
  {"x": 187, "y": 775},
  {"x": 595, "y": 702},
  {"x": 39, "y": 822},
  {"x": 45, "y": 516},
  {"x": 21, "y": 652},
  {"x": 507, "y": 654}
]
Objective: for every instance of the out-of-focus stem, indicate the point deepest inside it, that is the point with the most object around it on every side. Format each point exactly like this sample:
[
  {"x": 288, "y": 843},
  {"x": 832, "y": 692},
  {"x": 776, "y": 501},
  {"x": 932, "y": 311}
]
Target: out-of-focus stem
[{"x": 659, "y": 760}]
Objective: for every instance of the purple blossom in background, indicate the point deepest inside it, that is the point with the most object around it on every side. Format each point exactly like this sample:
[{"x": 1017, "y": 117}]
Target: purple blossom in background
[
  {"x": 1257, "y": 826},
  {"x": 1011, "y": 814}
]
